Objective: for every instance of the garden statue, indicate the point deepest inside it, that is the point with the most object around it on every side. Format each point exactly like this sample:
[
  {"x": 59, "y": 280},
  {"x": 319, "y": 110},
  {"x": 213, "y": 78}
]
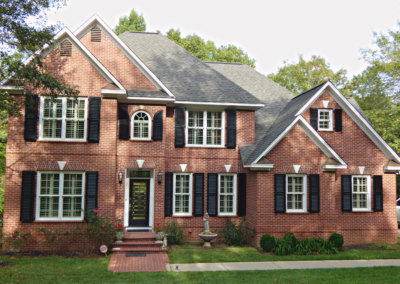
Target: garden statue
[
  {"x": 206, "y": 224},
  {"x": 164, "y": 246},
  {"x": 207, "y": 236}
]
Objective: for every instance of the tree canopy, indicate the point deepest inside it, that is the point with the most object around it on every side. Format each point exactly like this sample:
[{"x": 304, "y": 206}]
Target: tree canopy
[
  {"x": 133, "y": 22},
  {"x": 304, "y": 75}
]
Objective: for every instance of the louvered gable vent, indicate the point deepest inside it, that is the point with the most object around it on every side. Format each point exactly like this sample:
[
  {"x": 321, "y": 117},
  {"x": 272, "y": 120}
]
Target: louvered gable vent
[
  {"x": 66, "y": 48},
  {"x": 96, "y": 35}
]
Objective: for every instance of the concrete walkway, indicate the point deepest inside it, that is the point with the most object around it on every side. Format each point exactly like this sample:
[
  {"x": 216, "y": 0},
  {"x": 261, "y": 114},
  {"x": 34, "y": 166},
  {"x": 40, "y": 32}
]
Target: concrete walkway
[{"x": 229, "y": 266}]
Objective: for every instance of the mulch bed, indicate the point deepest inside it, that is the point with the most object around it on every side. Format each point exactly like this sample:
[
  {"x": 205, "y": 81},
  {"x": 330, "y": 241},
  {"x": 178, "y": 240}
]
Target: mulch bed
[
  {"x": 34, "y": 254},
  {"x": 5, "y": 264}
]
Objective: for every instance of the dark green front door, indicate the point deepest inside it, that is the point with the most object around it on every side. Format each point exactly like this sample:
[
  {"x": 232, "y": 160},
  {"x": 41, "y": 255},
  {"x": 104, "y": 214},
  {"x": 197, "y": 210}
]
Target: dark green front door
[{"x": 138, "y": 203}]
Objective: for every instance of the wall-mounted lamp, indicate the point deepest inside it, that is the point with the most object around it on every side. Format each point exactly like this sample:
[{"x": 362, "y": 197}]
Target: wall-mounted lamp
[
  {"x": 159, "y": 175},
  {"x": 120, "y": 177}
]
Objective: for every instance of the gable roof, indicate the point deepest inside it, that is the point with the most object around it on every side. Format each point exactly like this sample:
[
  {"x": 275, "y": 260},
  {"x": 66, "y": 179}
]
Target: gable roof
[{"x": 187, "y": 77}]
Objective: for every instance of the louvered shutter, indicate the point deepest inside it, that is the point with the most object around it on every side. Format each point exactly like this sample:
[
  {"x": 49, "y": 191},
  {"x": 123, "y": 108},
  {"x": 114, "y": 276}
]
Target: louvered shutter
[
  {"x": 242, "y": 192},
  {"x": 314, "y": 193},
  {"x": 92, "y": 184},
  {"x": 198, "y": 194},
  {"x": 231, "y": 131},
  {"x": 94, "y": 120},
  {"x": 123, "y": 117},
  {"x": 168, "y": 194},
  {"x": 338, "y": 120},
  {"x": 212, "y": 194},
  {"x": 347, "y": 205},
  {"x": 314, "y": 118},
  {"x": 27, "y": 196},
  {"x": 378, "y": 194},
  {"x": 158, "y": 126},
  {"x": 280, "y": 193},
  {"x": 31, "y": 116},
  {"x": 179, "y": 127}
]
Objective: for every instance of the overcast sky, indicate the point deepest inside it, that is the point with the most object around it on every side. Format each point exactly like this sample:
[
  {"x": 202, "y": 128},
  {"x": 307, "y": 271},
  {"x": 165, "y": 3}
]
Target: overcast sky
[{"x": 269, "y": 31}]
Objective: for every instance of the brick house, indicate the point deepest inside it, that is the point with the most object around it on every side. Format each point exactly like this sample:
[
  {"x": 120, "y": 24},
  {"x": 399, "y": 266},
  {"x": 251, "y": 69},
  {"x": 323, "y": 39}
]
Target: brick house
[{"x": 157, "y": 134}]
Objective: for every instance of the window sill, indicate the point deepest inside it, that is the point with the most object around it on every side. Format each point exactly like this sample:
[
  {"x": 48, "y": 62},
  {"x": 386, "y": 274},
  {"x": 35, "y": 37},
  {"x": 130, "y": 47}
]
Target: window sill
[
  {"x": 326, "y": 130},
  {"x": 362, "y": 211},
  {"x": 140, "y": 140},
  {"x": 63, "y": 141}
]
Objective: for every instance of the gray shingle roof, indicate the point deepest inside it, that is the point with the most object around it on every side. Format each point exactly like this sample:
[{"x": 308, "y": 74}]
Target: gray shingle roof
[{"x": 187, "y": 77}]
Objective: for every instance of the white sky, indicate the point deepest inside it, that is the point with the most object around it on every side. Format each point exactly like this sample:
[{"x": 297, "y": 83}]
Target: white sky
[{"x": 269, "y": 31}]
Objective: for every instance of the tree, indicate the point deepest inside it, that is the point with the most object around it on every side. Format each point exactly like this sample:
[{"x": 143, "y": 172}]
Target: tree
[
  {"x": 304, "y": 75},
  {"x": 134, "y": 22},
  {"x": 22, "y": 33}
]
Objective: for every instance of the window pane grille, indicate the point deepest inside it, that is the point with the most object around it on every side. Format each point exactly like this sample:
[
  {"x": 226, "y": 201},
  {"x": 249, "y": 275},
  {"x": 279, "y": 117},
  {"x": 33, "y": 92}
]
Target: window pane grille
[
  {"x": 182, "y": 193},
  {"x": 205, "y": 128},
  {"x": 325, "y": 120},
  {"x": 295, "y": 193},
  {"x": 52, "y": 118},
  {"x": 226, "y": 194},
  {"x": 141, "y": 125},
  {"x": 360, "y": 193}
]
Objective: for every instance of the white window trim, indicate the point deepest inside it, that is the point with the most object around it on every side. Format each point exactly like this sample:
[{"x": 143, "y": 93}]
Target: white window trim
[
  {"x": 132, "y": 129},
  {"x": 304, "y": 193},
  {"x": 64, "y": 119},
  {"x": 222, "y": 145},
  {"x": 368, "y": 193},
  {"x": 330, "y": 121},
  {"x": 190, "y": 195},
  {"x": 61, "y": 191},
  {"x": 234, "y": 213}
]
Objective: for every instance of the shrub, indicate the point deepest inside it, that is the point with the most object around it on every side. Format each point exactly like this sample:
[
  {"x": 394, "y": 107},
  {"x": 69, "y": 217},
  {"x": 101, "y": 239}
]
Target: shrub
[
  {"x": 284, "y": 246},
  {"x": 235, "y": 235},
  {"x": 267, "y": 242},
  {"x": 174, "y": 232},
  {"x": 337, "y": 240},
  {"x": 290, "y": 237},
  {"x": 99, "y": 228},
  {"x": 16, "y": 241},
  {"x": 310, "y": 245}
]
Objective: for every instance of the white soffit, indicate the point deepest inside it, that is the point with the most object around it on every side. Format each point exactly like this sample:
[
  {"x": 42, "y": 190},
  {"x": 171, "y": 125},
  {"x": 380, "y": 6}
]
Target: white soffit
[
  {"x": 227, "y": 168},
  {"x": 183, "y": 167},
  {"x": 140, "y": 163},
  {"x": 61, "y": 165}
]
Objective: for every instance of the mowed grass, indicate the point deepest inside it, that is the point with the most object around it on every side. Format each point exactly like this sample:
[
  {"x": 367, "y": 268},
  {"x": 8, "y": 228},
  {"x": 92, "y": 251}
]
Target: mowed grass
[
  {"x": 251, "y": 254},
  {"x": 77, "y": 270}
]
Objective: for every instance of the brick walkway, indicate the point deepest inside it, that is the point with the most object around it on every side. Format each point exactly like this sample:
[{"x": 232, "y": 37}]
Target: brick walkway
[{"x": 151, "y": 262}]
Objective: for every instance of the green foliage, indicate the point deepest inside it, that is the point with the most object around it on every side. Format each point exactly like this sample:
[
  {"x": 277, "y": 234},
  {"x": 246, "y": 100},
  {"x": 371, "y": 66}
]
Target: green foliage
[
  {"x": 337, "y": 240},
  {"x": 16, "y": 241},
  {"x": 304, "y": 75},
  {"x": 310, "y": 245},
  {"x": 52, "y": 239},
  {"x": 174, "y": 231},
  {"x": 291, "y": 238},
  {"x": 99, "y": 229},
  {"x": 267, "y": 242},
  {"x": 234, "y": 234},
  {"x": 133, "y": 22}
]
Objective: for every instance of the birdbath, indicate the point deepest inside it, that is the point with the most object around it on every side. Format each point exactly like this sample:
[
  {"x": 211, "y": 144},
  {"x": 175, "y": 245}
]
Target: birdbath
[{"x": 207, "y": 236}]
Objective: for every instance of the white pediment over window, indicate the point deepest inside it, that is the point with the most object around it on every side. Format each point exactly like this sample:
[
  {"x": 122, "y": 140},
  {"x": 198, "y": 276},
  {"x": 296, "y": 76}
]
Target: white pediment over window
[
  {"x": 361, "y": 170},
  {"x": 140, "y": 163},
  {"x": 296, "y": 168},
  {"x": 228, "y": 168},
  {"x": 61, "y": 165},
  {"x": 183, "y": 167},
  {"x": 325, "y": 103}
]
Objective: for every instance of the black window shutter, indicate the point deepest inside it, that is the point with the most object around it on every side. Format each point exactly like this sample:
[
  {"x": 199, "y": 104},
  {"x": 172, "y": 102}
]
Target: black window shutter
[
  {"x": 280, "y": 193},
  {"x": 123, "y": 117},
  {"x": 314, "y": 118},
  {"x": 198, "y": 194},
  {"x": 212, "y": 194},
  {"x": 31, "y": 113},
  {"x": 27, "y": 196},
  {"x": 378, "y": 194},
  {"x": 168, "y": 194},
  {"x": 92, "y": 184},
  {"x": 314, "y": 193},
  {"x": 338, "y": 120},
  {"x": 242, "y": 188},
  {"x": 158, "y": 126},
  {"x": 347, "y": 205},
  {"x": 231, "y": 131},
  {"x": 94, "y": 120},
  {"x": 179, "y": 127}
]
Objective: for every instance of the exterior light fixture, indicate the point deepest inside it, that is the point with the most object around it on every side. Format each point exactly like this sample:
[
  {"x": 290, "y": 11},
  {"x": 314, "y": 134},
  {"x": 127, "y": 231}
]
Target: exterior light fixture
[
  {"x": 159, "y": 176},
  {"x": 120, "y": 177}
]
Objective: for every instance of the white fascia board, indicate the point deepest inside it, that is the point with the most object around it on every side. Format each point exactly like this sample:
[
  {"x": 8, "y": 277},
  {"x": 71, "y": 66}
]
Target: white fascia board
[
  {"x": 335, "y": 167},
  {"x": 96, "y": 20},
  {"x": 151, "y": 99},
  {"x": 356, "y": 116},
  {"x": 391, "y": 168},
  {"x": 116, "y": 92},
  {"x": 257, "y": 106},
  {"x": 263, "y": 166}
]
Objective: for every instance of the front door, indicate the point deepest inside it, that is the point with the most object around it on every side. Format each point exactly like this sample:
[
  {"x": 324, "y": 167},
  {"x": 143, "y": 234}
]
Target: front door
[{"x": 139, "y": 203}]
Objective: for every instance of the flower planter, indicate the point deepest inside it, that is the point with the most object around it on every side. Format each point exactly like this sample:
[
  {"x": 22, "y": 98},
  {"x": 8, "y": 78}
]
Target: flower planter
[
  {"x": 119, "y": 236},
  {"x": 159, "y": 236}
]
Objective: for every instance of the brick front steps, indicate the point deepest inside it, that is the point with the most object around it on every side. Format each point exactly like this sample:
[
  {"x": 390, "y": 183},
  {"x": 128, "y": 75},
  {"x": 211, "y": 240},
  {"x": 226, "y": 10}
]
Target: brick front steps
[{"x": 138, "y": 243}]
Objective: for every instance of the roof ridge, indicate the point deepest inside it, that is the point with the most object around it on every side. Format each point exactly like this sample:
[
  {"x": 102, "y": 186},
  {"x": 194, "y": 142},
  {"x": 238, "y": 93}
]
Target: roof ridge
[
  {"x": 139, "y": 32},
  {"x": 219, "y": 62},
  {"x": 311, "y": 89}
]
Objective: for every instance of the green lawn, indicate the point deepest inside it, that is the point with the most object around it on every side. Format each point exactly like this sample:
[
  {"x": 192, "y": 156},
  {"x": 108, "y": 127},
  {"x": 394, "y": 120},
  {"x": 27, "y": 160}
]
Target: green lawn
[
  {"x": 251, "y": 254},
  {"x": 76, "y": 270}
]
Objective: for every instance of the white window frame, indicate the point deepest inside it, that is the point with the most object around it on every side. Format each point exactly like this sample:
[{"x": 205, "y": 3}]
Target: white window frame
[
  {"x": 205, "y": 128},
  {"x": 63, "y": 119},
  {"x": 304, "y": 193},
  {"x": 61, "y": 196},
  {"x": 234, "y": 213},
  {"x": 132, "y": 126},
  {"x": 190, "y": 194},
  {"x": 368, "y": 192},
  {"x": 330, "y": 120}
]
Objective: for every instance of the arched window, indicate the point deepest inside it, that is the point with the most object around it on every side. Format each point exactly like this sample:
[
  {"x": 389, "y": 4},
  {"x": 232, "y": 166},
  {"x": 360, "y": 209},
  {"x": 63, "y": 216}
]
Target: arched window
[{"x": 141, "y": 125}]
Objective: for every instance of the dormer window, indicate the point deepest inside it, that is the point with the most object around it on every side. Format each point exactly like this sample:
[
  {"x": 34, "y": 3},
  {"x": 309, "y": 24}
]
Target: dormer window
[{"x": 325, "y": 119}]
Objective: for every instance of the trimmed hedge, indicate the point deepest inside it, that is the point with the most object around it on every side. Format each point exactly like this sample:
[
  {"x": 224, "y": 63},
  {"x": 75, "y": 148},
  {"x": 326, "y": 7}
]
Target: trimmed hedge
[
  {"x": 337, "y": 240},
  {"x": 267, "y": 242}
]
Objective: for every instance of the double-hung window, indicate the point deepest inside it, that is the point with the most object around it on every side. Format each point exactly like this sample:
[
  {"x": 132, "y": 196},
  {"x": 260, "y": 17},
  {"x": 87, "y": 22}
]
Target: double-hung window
[
  {"x": 227, "y": 194},
  {"x": 296, "y": 193},
  {"x": 63, "y": 119},
  {"x": 325, "y": 119},
  {"x": 141, "y": 125},
  {"x": 361, "y": 190},
  {"x": 182, "y": 202},
  {"x": 205, "y": 128},
  {"x": 60, "y": 196}
]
